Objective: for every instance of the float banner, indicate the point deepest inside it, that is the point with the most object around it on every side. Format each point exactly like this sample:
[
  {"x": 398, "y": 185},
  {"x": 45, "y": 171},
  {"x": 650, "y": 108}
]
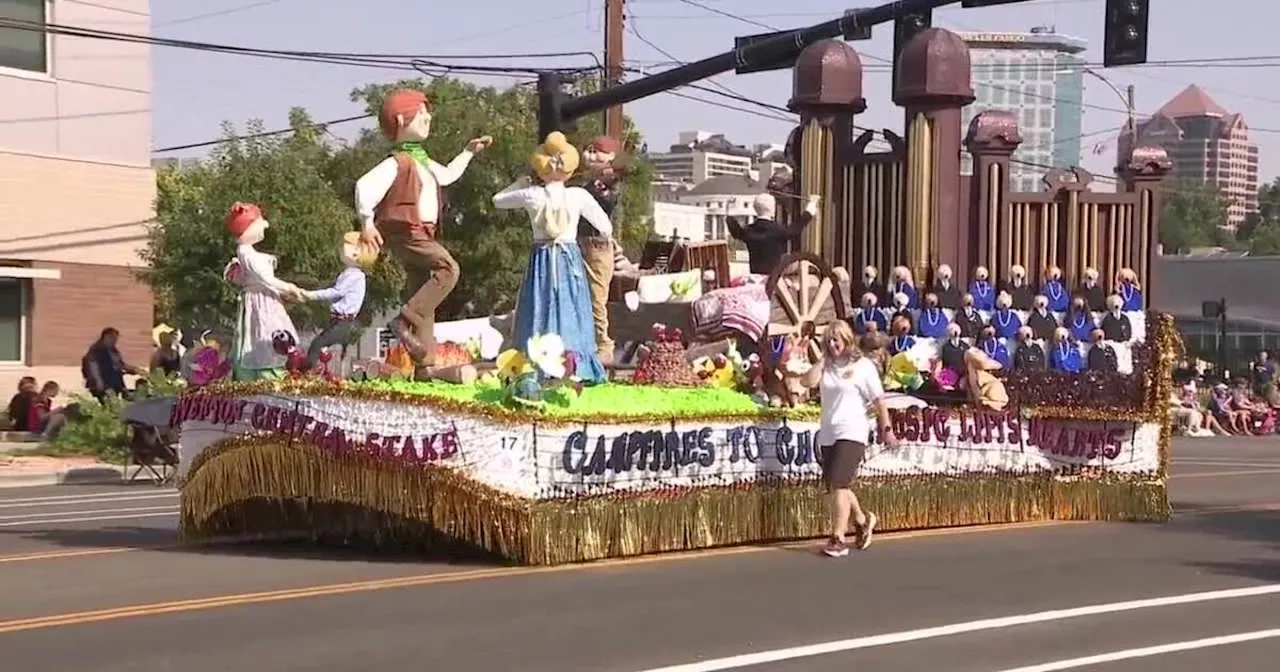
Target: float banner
[{"x": 554, "y": 461}]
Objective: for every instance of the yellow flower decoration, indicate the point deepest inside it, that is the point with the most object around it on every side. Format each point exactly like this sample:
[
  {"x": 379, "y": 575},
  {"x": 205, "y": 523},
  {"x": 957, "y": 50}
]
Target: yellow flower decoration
[{"x": 512, "y": 364}]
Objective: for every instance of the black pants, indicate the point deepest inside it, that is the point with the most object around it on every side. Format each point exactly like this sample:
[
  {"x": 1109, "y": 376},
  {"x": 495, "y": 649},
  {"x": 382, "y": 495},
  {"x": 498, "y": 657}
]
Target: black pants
[
  {"x": 840, "y": 462},
  {"x": 339, "y": 332}
]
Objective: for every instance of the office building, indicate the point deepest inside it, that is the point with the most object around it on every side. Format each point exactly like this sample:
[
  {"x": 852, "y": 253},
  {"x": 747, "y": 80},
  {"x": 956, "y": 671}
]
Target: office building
[
  {"x": 699, "y": 156},
  {"x": 77, "y": 187},
  {"x": 1038, "y": 75},
  {"x": 1209, "y": 145}
]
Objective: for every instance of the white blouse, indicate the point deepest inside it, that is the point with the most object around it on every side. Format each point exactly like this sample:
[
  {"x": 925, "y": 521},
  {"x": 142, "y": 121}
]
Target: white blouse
[{"x": 554, "y": 200}]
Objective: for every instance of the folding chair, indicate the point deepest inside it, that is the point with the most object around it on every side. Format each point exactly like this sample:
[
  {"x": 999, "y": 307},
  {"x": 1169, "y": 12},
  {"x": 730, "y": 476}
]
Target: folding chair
[{"x": 151, "y": 451}]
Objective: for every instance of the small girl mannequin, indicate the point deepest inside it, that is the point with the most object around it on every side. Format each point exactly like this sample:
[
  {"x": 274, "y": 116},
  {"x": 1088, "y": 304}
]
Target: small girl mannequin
[{"x": 262, "y": 312}]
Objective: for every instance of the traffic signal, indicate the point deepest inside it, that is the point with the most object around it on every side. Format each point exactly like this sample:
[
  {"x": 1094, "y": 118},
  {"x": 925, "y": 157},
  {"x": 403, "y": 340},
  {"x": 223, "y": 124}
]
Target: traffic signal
[
  {"x": 906, "y": 27},
  {"x": 1124, "y": 41},
  {"x": 971, "y": 4},
  {"x": 855, "y": 31}
]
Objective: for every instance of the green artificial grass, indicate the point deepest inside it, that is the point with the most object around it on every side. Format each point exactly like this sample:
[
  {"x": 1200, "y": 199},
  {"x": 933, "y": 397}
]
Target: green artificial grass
[{"x": 614, "y": 399}]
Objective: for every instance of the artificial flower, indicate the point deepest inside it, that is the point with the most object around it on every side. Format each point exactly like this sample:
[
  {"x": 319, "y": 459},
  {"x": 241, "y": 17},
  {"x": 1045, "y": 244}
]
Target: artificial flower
[
  {"x": 547, "y": 353},
  {"x": 511, "y": 365}
]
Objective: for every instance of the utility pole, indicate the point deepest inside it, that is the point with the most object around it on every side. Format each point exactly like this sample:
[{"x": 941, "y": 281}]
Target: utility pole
[
  {"x": 613, "y": 31},
  {"x": 1133, "y": 122}
]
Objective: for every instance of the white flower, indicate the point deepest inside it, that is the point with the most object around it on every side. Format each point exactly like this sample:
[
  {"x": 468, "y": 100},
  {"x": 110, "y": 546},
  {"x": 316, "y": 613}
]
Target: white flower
[{"x": 547, "y": 353}]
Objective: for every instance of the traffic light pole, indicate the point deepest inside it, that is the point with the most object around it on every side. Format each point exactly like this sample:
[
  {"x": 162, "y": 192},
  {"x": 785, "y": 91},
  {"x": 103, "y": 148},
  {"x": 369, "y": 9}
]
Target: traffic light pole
[{"x": 555, "y": 109}]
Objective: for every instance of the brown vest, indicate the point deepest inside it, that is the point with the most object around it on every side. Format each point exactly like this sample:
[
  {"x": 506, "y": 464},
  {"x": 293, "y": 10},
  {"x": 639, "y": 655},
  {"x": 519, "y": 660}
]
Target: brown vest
[{"x": 399, "y": 206}]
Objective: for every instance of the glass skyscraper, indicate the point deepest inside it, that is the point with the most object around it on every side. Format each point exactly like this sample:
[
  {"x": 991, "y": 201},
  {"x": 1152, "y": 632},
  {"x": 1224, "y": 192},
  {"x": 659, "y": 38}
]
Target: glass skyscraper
[{"x": 1040, "y": 77}]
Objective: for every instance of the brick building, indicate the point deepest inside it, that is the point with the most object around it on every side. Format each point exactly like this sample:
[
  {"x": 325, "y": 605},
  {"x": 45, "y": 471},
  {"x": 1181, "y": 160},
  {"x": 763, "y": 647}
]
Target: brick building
[
  {"x": 1207, "y": 144},
  {"x": 76, "y": 187}
]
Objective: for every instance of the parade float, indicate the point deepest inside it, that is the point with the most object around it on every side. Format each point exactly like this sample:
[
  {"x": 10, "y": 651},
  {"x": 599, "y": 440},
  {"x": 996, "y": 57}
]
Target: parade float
[{"x": 540, "y": 460}]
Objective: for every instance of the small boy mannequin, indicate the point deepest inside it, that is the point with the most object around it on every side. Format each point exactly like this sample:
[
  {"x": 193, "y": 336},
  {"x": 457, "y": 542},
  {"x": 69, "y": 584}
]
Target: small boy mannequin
[{"x": 345, "y": 297}]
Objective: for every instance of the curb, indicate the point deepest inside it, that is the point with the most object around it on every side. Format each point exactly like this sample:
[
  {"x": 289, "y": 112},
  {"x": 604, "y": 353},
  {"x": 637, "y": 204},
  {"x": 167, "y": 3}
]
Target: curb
[{"x": 96, "y": 475}]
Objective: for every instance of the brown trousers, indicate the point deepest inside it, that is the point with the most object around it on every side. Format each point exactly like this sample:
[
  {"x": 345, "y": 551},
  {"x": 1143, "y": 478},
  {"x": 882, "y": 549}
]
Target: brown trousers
[
  {"x": 431, "y": 274},
  {"x": 597, "y": 253}
]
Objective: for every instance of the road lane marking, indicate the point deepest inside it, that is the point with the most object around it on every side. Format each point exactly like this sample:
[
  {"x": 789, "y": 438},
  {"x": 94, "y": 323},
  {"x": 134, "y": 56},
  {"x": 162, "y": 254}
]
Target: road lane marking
[
  {"x": 80, "y": 501},
  {"x": 61, "y": 498},
  {"x": 89, "y": 519},
  {"x": 827, "y": 648},
  {"x": 51, "y": 555},
  {"x": 1227, "y": 463},
  {"x": 90, "y": 512},
  {"x": 1148, "y": 651},
  {"x": 77, "y": 618},
  {"x": 1224, "y": 474}
]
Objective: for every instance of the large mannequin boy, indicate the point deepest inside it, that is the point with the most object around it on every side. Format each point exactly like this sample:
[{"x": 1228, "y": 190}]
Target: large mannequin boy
[
  {"x": 399, "y": 202},
  {"x": 602, "y": 175}
]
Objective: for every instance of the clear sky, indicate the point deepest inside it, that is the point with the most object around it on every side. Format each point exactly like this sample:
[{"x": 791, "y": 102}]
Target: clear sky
[{"x": 196, "y": 91}]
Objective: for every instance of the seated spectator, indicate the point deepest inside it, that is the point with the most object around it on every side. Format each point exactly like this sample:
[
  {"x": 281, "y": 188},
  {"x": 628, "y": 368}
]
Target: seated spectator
[
  {"x": 20, "y": 404},
  {"x": 1188, "y": 414},
  {"x": 1257, "y": 417},
  {"x": 1235, "y": 422},
  {"x": 42, "y": 418}
]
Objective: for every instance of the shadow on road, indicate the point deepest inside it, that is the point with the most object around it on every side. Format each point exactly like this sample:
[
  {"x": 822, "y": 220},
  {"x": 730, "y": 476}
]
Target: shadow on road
[{"x": 1260, "y": 526}]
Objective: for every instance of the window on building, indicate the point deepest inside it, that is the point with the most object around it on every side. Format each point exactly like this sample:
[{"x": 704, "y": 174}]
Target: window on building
[
  {"x": 24, "y": 49},
  {"x": 999, "y": 96},
  {"x": 13, "y": 326},
  {"x": 1046, "y": 117},
  {"x": 1028, "y": 117}
]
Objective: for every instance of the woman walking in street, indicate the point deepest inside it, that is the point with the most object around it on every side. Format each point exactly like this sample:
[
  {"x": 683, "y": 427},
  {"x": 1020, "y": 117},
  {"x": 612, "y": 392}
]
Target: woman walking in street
[{"x": 849, "y": 383}]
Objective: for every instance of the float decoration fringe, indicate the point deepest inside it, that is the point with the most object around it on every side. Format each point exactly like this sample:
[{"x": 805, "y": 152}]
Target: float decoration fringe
[{"x": 263, "y": 487}]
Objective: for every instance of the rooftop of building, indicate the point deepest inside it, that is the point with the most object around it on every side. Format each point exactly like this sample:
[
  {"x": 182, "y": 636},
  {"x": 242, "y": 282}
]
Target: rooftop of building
[
  {"x": 729, "y": 185},
  {"x": 1192, "y": 112},
  {"x": 1040, "y": 37}
]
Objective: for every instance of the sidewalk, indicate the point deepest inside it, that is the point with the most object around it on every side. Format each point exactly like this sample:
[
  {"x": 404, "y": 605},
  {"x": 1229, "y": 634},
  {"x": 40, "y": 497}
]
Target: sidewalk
[{"x": 18, "y": 471}]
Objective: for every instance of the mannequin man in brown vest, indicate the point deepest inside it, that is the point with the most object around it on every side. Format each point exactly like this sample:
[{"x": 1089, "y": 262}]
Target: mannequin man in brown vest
[{"x": 399, "y": 203}]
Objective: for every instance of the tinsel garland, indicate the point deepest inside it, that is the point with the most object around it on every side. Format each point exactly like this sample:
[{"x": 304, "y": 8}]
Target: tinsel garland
[
  {"x": 1105, "y": 397},
  {"x": 264, "y": 487},
  {"x": 490, "y": 411}
]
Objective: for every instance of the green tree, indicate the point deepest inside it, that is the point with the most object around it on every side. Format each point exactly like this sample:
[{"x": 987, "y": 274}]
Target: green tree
[{"x": 1192, "y": 216}]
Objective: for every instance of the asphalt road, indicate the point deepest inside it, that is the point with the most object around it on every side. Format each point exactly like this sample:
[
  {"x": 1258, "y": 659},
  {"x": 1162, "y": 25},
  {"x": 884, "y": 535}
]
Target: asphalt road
[{"x": 92, "y": 580}]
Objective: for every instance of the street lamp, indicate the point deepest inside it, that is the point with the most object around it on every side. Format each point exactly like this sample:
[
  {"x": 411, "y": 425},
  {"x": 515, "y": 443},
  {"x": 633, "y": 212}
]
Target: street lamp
[{"x": 1126, "y": 97}]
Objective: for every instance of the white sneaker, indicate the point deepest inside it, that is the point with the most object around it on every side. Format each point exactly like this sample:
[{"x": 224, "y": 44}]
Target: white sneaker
[{"x": 862, "y": 536}]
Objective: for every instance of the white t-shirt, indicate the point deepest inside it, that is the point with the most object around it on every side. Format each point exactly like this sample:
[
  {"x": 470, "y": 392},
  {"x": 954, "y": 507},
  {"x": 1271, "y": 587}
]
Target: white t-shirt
[{"x": 845, "y": 401}]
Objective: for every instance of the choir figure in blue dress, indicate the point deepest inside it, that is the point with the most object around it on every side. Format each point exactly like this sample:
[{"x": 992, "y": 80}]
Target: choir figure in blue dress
[
  {"x": 870, "y": 314},
  {"x": 1065, "y": 355},
  {"x": 1129, "y": 290},
  {"x": 1079, "y": 320},
  {"x": 902, "y": 339},
  {"x": 994, "y": 347},
  {"x": 1055, "y": 290},
  {"x": 1005, "y": 319},
  {"x": 903, "y": 283},
  {"x": 984, "y": 294},
  {"x": 933, "y": 320}
]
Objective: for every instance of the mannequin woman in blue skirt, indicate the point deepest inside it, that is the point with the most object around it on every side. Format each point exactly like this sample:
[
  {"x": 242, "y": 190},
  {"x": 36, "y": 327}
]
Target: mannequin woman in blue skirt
[{"x": 554, "y": 298}]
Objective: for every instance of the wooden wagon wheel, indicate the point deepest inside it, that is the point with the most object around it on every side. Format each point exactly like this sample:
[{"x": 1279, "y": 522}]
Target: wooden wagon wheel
[{"x": 817, "y": 288}]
